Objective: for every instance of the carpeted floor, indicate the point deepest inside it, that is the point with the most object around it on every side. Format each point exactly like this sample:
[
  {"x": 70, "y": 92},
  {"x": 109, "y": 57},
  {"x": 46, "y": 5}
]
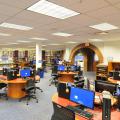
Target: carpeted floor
[{"x": 14, "y": 110}]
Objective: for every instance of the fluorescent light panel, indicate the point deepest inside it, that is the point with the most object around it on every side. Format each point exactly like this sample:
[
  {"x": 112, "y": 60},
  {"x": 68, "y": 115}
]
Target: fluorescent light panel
[
  {"x": 4, "y": 34},
  {"x": 53, "y": 10},
  {"x": 96, "y": 40},
  {"x": 71, "y": 42},
  {"x": 35, "y": 38},
  {"x": 23, "y": 41},
  {"x": 15, "y": 26},
  {"x": 54, "y": 44},
  {"x": 104, "y": 27},
  {"x": 62, "y": 34}
]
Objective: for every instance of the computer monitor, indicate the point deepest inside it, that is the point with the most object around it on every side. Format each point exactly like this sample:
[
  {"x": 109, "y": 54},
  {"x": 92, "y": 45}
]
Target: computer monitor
[
  {"x": 61, "y": 68},
  {"x": 25, "y": 73},
  {"x": 73, "y": 68},
  {"x": 104, "y": 85},
  {"x": 11, "y": 74},
  {"x": 116, "y": 75},
  {"x": 83, "y": 97}
]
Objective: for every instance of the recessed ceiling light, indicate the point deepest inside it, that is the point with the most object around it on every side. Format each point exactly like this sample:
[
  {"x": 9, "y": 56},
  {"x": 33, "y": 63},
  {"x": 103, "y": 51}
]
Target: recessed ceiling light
[
  {"x": 104, "y": 27},
  {"x": 51, "y": 9},
  {"x": 71, "y": 42},
  {"x": 44, "y": 45},
  {"x": 35, "y": 38},
  {"x": 13, "y": 43},
  {"x": 4, "y": 34},
  {"x": 23, "y": 41},
  {"x": 55, "y": 44},
  {"x": 62, "y": 34},
  {"x": 96, "y": 40},
  {"x": 15, "y": 26}
]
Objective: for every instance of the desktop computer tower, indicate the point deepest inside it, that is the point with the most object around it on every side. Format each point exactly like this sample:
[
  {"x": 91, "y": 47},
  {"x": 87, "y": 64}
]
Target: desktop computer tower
[
  {"x": 32, "y": 73},
  {"x": 106, "y": 109},
  {"x": 11, "y": 74},
  {"x": 64, "y": 90},
  {"x": 116, "y": 75},
  {"x": 5, "y": 70}
]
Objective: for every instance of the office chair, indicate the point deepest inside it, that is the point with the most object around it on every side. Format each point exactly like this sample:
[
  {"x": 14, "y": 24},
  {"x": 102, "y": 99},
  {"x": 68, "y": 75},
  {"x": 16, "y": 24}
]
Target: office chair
[
  {"x": 30, "y": 91},
  {"x": 62, "y": 113},
  {"x": 54, "y": 79},
  {"x": 79, "y": 81},
  {"x": 37, "y": 80},
  {"x": 3, "y": 85}
]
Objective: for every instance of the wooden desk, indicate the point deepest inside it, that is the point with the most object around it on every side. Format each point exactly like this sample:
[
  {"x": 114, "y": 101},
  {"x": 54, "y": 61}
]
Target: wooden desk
[
  {"x": 110, "y": 79},
  {"x": 97, "y": 112},
  {"x": 67, "y": 76},
  {"x": 14, "y": 87}
]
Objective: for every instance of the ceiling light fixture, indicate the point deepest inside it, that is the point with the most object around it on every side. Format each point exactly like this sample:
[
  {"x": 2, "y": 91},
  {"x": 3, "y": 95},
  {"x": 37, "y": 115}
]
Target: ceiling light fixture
[
  {"x": 15, "y": 26},
  {"x": 35, "y": 38},
  {"x": 104, "y": 27},
  {"x": 48, "y": 8},
  {"x": 62, "y": 34},
  {"x": 4, "y": 34},
  {"x": 71, "y": 42},
  {"x": 96, "y": 40},
  {"x": 23, "y": 41},
  {"x": 54, "y": 44}
]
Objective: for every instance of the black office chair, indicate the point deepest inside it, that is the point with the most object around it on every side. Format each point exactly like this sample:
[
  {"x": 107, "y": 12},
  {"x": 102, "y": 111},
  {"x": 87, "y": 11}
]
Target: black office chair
[
  {"x": 54, "y": 79},
  {"x": 3, "y": 94},
  {"x": 62, "y": 113},
  {"x": 79, "y": 81},
  {"x": 30, "y": 91}
]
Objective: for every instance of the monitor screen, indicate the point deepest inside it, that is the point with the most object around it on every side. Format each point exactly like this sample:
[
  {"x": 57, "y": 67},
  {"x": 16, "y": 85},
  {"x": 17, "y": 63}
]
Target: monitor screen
[
  {"x": 61, "y": 68},
  {"x": 83, "y": 97},
  {"x": 100, "y": 86},
  {"x": 25, "y": 73},
  {"x": 73, "y": 68}
]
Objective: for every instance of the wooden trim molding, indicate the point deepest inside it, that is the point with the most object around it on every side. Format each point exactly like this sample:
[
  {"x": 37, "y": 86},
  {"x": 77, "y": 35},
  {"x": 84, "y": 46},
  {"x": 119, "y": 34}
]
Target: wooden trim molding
[{"x": 84, "y": 45}]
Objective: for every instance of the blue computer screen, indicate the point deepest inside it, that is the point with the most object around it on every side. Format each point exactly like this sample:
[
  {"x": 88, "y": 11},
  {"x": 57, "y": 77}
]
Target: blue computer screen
[
  {"x": 82, "y": 97},
  {"x": 61, "y": 68},
  {"x": 25, "y": 73}
]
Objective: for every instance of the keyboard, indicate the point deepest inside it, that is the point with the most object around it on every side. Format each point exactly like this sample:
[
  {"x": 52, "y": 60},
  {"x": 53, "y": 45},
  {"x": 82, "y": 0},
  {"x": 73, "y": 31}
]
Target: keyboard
[{"x": 81, "y": 112}]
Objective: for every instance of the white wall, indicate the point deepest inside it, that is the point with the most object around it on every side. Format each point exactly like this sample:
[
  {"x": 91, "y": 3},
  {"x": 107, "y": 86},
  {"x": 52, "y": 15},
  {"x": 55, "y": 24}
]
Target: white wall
[{"x": 110, "y": 50}]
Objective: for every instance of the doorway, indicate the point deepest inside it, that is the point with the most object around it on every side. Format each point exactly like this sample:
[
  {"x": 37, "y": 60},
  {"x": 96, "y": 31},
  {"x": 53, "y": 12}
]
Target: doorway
[{"x": 88, "y": 56}]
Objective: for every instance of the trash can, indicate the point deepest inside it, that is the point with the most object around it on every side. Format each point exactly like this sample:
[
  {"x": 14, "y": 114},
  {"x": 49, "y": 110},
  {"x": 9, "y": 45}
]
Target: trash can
[{"x": 40, "y": 72}]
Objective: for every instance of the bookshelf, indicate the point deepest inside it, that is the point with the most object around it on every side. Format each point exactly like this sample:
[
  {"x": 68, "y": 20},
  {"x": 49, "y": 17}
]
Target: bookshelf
[
  {"x": 101, "y": 72},
  {"x": 113, "y": 66}
]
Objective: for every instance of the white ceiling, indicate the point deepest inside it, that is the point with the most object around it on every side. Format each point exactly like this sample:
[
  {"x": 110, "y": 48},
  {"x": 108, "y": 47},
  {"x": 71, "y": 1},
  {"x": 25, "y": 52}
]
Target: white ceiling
[{"x": 92, "y": 12}]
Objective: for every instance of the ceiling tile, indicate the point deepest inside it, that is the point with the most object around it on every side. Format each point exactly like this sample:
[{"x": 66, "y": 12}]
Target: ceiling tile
[
  {"x": 19, "y": 3},
  {"x": 106, "y": 11},
  {"x": 9, "y": 11}
]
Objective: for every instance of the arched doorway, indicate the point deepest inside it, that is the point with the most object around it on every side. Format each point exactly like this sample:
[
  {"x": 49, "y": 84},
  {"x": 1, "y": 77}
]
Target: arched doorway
[{"x": 89, "y": 52}]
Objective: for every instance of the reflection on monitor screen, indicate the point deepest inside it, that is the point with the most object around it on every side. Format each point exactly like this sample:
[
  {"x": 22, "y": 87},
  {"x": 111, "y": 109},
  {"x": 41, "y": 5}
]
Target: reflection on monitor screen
[{"x": 83, "y": 97}]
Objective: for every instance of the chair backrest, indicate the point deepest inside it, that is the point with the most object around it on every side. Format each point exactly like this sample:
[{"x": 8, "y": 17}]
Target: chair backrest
[
  {"x": 62, "y": 113},
  {"x": 37, "y": 78},
  {"x": 30, "y": 83}
]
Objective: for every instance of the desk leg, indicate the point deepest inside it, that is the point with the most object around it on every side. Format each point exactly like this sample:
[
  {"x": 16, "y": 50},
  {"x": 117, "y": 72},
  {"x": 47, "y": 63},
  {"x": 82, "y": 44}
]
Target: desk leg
[{"x": 15, "y": 90}]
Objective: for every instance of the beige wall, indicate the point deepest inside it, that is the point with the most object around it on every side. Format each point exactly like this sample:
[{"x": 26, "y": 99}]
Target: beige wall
[{"x": 108, "y": 49}]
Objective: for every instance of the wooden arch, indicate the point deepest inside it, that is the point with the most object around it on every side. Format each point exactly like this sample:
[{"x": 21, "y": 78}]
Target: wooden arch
[{"x": 84, "y": 45}]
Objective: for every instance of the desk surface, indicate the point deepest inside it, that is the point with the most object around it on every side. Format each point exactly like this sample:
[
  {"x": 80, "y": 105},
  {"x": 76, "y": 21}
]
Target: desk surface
[
  {"x": 110, "y": 79},
  {"x": 18, "y": 80},
  {"x": 68, "y": 73},
  {"x": 97, "y": 112}
]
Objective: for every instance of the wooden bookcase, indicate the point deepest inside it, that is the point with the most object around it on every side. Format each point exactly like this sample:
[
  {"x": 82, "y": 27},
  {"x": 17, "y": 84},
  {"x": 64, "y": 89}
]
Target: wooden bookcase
[{"x": 101, "y": 72}]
